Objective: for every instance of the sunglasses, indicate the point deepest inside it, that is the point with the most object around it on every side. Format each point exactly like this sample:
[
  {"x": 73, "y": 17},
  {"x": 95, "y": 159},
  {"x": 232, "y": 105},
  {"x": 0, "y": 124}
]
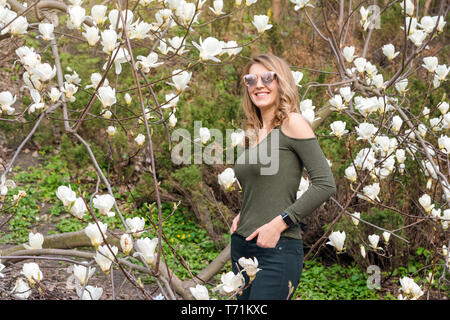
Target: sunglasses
[{"x": 250, "y": 80}]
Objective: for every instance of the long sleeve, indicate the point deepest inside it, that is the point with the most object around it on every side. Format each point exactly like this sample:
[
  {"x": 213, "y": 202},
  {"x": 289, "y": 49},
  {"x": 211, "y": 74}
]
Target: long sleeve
[{"x": 322, "y": 181}]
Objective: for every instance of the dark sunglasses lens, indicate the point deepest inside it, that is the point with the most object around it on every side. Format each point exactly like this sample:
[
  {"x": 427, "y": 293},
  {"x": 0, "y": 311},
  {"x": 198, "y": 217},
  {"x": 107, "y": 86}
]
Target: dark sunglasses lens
[
  {"x": 267, "y": 77},
  {"x": 250, "y": 80}
]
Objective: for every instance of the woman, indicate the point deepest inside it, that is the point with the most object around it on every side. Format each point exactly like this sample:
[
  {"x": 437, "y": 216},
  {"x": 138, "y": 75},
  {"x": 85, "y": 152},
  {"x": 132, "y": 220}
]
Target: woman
[{"x": 268, "y": 225}]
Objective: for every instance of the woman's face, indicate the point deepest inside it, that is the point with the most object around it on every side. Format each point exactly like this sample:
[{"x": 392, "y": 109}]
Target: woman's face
[{"x": 263, "y": 96}]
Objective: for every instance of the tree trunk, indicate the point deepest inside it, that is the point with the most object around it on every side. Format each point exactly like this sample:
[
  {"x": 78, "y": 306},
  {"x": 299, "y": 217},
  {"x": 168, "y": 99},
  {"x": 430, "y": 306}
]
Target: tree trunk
[{"x": 276, "y": 10}]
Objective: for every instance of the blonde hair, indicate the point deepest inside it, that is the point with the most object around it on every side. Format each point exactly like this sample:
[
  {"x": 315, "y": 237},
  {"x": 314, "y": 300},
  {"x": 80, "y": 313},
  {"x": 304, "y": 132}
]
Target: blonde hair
[{"x": 288, "y": 98}]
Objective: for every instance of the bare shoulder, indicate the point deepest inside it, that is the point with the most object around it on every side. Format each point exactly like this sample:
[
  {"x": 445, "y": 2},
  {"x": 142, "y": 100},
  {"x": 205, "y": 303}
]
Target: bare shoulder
[{"x": 296, "y": 126}]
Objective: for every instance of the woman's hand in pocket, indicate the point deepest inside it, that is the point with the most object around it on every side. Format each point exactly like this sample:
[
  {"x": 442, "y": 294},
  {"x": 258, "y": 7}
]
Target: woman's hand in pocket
[{"x": 234, "y": 224}]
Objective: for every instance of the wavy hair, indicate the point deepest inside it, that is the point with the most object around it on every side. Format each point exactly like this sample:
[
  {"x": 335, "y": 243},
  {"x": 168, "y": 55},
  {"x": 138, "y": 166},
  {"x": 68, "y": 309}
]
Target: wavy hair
[{"x": 288, "y": 98}]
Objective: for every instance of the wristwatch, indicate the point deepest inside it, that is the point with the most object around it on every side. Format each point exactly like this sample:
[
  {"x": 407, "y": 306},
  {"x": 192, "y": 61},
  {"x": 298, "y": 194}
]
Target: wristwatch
[{"x": 287, "y": 220}]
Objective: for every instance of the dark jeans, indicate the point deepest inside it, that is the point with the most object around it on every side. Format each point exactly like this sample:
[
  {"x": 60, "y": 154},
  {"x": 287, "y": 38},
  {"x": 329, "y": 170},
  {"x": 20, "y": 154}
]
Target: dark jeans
[{"x": 279, "y": 266}]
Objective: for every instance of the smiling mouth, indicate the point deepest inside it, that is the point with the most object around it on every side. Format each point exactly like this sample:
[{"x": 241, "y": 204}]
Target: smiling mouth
[{"x": 262, "y": 94}]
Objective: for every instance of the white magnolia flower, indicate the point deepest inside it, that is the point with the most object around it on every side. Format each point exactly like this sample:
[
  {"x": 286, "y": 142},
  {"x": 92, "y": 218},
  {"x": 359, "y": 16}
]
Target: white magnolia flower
[
  {"x": 172, "y": 120},
  {"x": 443, "y": 107},
  {"x": 78, "y": 208},
  {"x": 205, "y": 135},
  {"x": 363, "y": 251},
  {"x": 337, "y": 103},
  {"x": 301, "y": 4},
  {"x": 250, "y": 2},
  {"x": 145, "y": 248},
  {"x": 91, "y": 34},
  {"x": 177, "y": 44},
  {"x": 111, "y": 130},
  {"x": 440, "y": 24},
  {"x": 360, "y": 64},
  {"x": 237, "y": 138},
  {"x": 38, "y": 101},
  {"x": 66, "y": 195},
  {"x": 127, "y": 98},
  {"x": 407, "y": 7},
  {"x": 346, "y": 93},
  {"x": 32, "y": 272},
  {"x": 365, "y": 131},
  {"x": 250, "y": 266},
  {"x": 373, "y": 239},
  {"x": 90, "y": 293},
  {"x": 93, "y": 232},
  {"x": 104, "y": 257},
  {"x": 427, "y": 23},
  {"x": 199, "y": 292},
  {"x": 163, "y": 48},
  {"x": 107, "y": 96},
  {"x": 350, "y": 173},
  {"x": 180, "y": 79},
  {"x": 231, "y": 48},
  {"x": 306, "y": 105},
  {"x": 337, "y": 240},
  {"x": 396, "y": 123},
  {"x": 417, "y": 37},
  {"x": 444, "y": 144},
  {"x": 114, "y": 19},
  {"x": 69, "y": 90},
  {"x": 349, "y": 53},
  {"x": 442, "y": 72},
  {"x": 19, "y": 26},
  {"x": 230, "y": 282},
  {"x": 96, "y": 77},
  {"x": 104, "y": 203},
  {"x": 386, "y": 236},
  {"x": 187, "y": 12},
  {"x": 107, "y": 114},
  {"x": 371, "y": 192},
  {"x": 401, "y": 85},
  {"x": 140, "y": 30},
  {"x": 136, "y": 224},
  {"x": 140, "y": 139},
  {"x": 6, "y": 101},
  {"x": 400, "y": 155},
  {"x": 35, "y": 241},
  {"x": 121, "y": 56},
  {"x": 338, "y": 128},
  {"x": 109, "y": 40},
  {"x": 298, "y": 76},
  {"x": 365, "y": 159},
  {"x": 46, "y": 30},
  {"x": 171, "y": 101},
  {"x": 44, "y": 71},
  {"x": 82, "y": 274},
  {"x": 355, "y": 218},
  {"x": 261, "y": 23},
  {"x": 425, "y": 202},
  {"x": 227, "y": 178},
  {"x": 410, "y": 288},
  {"x": 217, "y": 7},
  {"x": 21, "y": 289},
  {"x": 148, "y": 62},
  {"x": 54, "y": 94},
  {"x": 209, "y": 49},
  {"x": 303, "y": 186},
  {"x": 445, "y": 219},
  {"x": 77, "y": 15},
  {"x": 389, "y": 51},
  {"x": 126, "y": 243},
  {"x": 98, "y": 14},
  {"x": 378, "y": 81},
  {"x": 411, "y": 25}
]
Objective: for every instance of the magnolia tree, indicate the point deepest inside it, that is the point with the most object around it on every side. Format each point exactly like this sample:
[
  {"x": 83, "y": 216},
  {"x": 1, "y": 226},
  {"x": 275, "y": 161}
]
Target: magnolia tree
[{"x": 392, "y": 139}]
